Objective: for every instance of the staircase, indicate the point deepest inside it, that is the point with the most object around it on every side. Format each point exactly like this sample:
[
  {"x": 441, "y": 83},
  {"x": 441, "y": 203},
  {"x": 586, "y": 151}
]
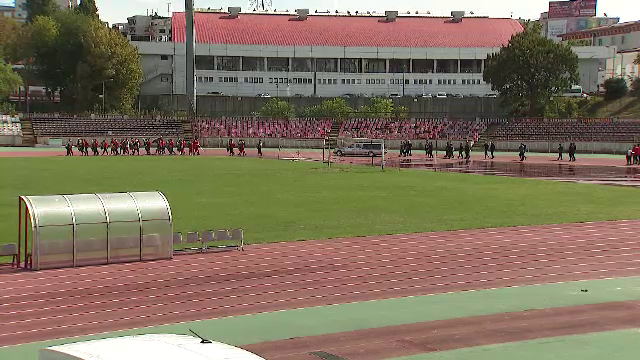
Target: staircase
[
  {"x": 334, "y": 133},
  {"x": 187, "y": 130},
  {"x": 28, "y": 135},
  {"x": 484, "y": 138}
]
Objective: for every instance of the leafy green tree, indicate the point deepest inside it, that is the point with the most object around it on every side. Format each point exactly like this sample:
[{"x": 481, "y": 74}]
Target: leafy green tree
[
  {"x": 277, "y": 108},
  {"x": 9, "y": 81},
  {"x": 637, "y": 59},
  {"x": 378, "y": 108},
  {"x": 78, "y": 56},
  {"x": 615, "y": 88},
  {"x": 88, "y": 8},
  {"x": 35, "y": 8},
  {"x": 530, "y": 70},
  {"x": 333, "y": 108}
]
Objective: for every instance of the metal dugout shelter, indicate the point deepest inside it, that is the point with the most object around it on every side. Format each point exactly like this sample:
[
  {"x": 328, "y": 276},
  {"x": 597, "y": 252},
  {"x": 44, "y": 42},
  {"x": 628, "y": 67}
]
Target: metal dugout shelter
[{"x": 91, "y": 229}]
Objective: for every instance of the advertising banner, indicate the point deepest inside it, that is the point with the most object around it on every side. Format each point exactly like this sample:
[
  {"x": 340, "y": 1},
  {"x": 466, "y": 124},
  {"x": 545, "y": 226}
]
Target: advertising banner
[
  {"x": 555, "y": 28},
  {"x": 569, "y": 9}
]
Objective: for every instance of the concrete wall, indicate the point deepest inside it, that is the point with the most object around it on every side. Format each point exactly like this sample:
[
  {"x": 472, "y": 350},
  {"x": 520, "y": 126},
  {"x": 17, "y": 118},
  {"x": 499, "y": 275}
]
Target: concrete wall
[
  {"x": 246, "y": 106},
  {"x": 10, "y": 140}
]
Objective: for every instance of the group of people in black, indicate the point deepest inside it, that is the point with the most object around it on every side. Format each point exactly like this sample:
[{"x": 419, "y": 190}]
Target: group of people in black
[
  {"x": 489, "y": 148},
  {"x": 428, "y": 149},
  {"x": 464, "y": 150},
  {"x": 132, "y": 147},
  {"x": 231, "y": 146},
  {"x": 572, "y": 151},
  {"x": 405, "y": 148}
]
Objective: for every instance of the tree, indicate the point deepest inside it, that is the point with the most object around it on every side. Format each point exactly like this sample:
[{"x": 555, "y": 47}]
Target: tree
[
  {"x": 9, "y": 81},
  {"x": 530, "y": 70},
  {"x": 277, "y": 108},
  {"x": 88, "y": 8},
  {"x": 615, "y": 88},
  {"x": 333, "y": 108},
  {"x": 378, "y": 108},
  {"x": 35, "y": 8},
  {"x": 637, "y": 59},
  {"x": 78, "y": 56}
]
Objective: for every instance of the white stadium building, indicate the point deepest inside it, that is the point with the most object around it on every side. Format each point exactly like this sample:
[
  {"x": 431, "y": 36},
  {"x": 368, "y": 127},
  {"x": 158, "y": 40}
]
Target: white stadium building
[{"x": 328, "y": 55}]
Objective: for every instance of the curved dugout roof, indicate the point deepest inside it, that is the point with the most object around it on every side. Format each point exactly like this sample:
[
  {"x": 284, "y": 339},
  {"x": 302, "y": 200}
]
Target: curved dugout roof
[{"x": 90, "y": 229}]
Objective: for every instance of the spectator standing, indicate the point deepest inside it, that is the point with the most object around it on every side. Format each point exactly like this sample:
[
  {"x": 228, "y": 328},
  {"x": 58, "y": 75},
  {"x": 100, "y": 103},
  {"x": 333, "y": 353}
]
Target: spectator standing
[{"x": 560, "y": 152}]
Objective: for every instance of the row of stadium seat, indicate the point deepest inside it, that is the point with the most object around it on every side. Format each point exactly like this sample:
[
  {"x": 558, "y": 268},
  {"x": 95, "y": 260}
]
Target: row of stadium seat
[
  {"x": 412, "y": 129},
  {"x": 514, "y": 129},
  {"x": 569, "y": 130},
  {"x": 290, "y": 129},
  {"x": 90, "y": 127}
]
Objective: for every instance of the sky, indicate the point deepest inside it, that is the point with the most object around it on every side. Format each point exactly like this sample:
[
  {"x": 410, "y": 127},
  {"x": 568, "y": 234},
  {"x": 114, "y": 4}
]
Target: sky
[{"x": 114, "y": 11}]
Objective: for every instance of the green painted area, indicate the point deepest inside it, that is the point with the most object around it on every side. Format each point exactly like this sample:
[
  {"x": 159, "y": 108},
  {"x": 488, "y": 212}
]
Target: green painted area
[
  {"x": 285, "y": 201},
  {"x": 250, "y": 329},
  {"x": 618, "y": 345}
]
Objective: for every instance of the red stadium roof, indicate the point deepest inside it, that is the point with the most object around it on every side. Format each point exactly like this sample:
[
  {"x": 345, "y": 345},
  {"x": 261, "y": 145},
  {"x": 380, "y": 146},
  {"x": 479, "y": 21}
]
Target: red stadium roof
[{"x": 366, "y": 31}]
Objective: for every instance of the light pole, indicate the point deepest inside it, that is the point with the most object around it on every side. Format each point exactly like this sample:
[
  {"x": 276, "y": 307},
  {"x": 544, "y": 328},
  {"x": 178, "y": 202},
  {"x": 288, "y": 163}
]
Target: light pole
[{"x": 104, "y": 110}]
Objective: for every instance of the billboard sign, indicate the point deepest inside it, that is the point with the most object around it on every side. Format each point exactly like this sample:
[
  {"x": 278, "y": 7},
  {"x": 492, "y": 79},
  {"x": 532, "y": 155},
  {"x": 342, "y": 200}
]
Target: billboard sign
[
  {"x": 570, "y": 9},
  {"x": 556, "y": 28}
]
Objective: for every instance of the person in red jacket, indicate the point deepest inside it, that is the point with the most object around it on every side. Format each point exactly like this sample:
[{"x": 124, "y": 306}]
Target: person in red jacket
[
  {"x": 196, "y": 147},
  {"x": 171, "y": 147},
  {"x": 636, "y": 154}
]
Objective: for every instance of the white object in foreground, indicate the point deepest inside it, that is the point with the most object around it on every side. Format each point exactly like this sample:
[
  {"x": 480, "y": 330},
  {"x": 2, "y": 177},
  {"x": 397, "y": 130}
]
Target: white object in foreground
[{"x": 150, "y": 346}]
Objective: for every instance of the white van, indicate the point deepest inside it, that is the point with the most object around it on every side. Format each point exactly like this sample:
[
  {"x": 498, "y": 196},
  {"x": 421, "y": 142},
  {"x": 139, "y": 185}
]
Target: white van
[
  {"x": 576, "y": 91},
  {"x": 361, "y": 147}
]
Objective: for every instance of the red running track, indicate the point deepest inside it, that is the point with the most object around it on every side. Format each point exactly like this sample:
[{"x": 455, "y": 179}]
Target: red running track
[{"x": 71, "y": 302}]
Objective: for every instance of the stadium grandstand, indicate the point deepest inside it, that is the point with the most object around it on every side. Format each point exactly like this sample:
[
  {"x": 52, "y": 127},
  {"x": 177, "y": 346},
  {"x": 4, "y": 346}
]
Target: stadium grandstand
[{"x": 605, "y": 134}]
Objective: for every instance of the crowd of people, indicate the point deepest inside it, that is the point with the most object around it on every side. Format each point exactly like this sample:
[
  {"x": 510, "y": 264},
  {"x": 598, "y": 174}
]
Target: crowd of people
[
  {"x": 242, "y": 146},
  {"x": 572, "y": 151},
  {"x": 132, "y": 147}
]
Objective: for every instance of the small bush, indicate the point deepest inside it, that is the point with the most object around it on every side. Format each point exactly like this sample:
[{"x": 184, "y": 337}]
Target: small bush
[{"x": 615, "y": 88}]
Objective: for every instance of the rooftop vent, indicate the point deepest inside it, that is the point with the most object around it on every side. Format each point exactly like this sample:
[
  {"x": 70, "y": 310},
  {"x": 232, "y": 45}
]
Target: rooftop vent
[
  {"x": 390, "y": 16},
  {"x": 302, "y": 15},
  {"x": 234, "y": 11},
  {"x": 457, "y": 16}
]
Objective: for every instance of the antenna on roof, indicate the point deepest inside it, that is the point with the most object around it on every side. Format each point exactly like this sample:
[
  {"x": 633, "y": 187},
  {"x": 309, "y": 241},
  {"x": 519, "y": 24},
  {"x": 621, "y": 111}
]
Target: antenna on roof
[{"x": 202, "y": 340}]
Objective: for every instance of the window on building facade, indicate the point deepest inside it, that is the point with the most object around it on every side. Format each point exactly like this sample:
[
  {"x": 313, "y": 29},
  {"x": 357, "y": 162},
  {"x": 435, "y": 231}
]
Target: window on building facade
[
  {"x": 599, "y": 42},
  {"x": 253, "y": 80},
  {"x": 399, "y": 66},
  {"x": 327, "y": 65},
  {"x": 613, "y": 40},
  {"x": 252, "y": 64},
  {"x": 351, "y": 66},
  {"x": 447, "y": 66},
  {"x": 374, "y": 65},
  {"x": 204, "y": 63},
  {"x": 470, "y": 66},
  {"x": 622, "y": 40},
  {"x": 228, "y": 63},
  {"x": 162, "y": 31},
  {"x": 228, "y": 79},
  {"x": 422, "y": 66},
  {"x": 277, "y": 64},
  {"x": 164, "y": 79},
  {"x": 164, "y": 57},
  {"x": 302, "y": 64}
]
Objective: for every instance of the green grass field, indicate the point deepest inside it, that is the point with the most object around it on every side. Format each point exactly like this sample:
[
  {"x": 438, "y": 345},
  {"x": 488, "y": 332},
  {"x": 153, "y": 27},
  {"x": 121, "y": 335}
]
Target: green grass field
[{"x": 284, "y": 201}]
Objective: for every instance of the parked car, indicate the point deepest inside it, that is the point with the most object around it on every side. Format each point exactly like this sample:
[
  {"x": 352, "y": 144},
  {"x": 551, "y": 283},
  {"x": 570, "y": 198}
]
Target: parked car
[
  {"x": 426, "y": 95},
  {"x": 263, "y": 95},
  {"x": 362, "y": 147},
  {"x": 441, "y": 95},
  {"x": 491, "y": 95},
  {"x": 459, "y": 96},
  {"x": 394, "y": 95}
]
